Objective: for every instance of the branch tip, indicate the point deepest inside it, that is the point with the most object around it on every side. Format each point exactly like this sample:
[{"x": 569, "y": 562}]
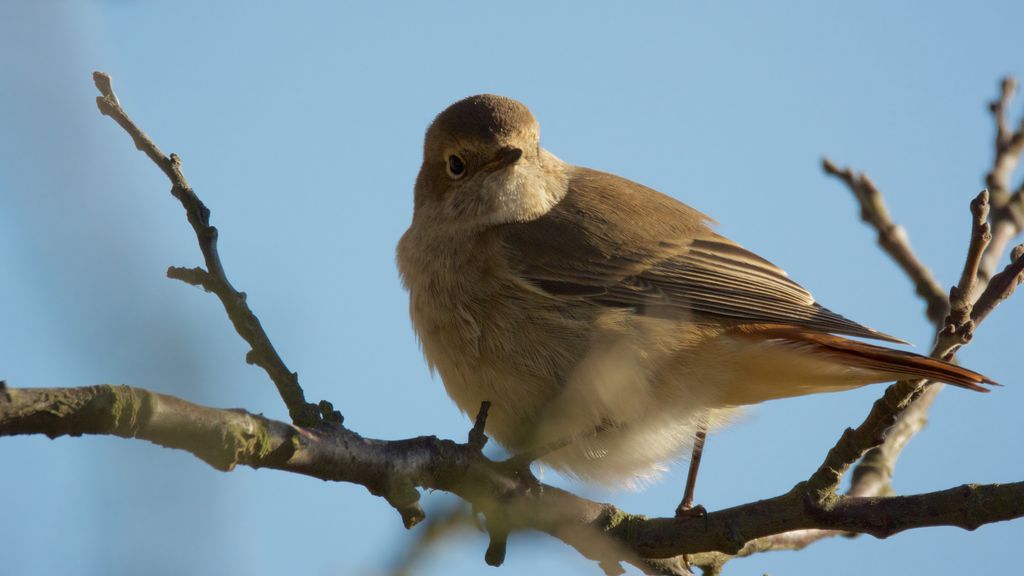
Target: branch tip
[
  {"x": 105, "y": 85},
  {"x": 193, "y": 276},
  {"x": 828, "y": 166},
  {"x": 980, "y": 205}
]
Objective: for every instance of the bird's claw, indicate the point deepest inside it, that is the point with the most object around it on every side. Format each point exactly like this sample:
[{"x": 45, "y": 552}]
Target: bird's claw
[
  {"x": 690, "y": 511},
  {"x": 518, "y": 466}
]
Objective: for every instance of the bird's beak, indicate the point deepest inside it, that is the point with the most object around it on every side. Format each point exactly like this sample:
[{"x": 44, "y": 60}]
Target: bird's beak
[{"x": 505, "y": 157}]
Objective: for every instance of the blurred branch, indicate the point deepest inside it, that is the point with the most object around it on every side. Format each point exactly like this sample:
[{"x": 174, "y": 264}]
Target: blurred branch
[
  {"x": 1008, "y": 209},
  {"x": 213, "y": 278},
  {"x": 892, "y": 238},
  {"x": 438, "y": 526}
]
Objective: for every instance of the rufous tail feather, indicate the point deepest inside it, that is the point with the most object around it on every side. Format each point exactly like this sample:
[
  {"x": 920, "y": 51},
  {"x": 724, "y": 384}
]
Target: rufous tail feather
[{"x": 886, "y": 361}]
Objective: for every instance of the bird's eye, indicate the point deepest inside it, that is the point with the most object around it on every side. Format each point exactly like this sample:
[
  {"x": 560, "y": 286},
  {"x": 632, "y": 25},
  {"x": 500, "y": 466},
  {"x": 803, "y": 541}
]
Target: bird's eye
[{"x": 456, "y": 167}]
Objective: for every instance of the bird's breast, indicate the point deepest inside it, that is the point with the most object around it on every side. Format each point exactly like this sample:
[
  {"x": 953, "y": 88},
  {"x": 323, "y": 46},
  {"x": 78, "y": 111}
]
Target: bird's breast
[{"x": 488, "y": 336}]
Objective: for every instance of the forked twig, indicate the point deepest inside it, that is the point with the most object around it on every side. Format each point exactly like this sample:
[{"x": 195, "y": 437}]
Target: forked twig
[{"x": 213, "y": 278}]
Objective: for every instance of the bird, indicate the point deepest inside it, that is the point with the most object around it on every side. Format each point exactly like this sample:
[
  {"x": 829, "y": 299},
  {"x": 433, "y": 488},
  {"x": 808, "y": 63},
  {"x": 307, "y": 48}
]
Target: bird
[{"x": 607, "y": 324}]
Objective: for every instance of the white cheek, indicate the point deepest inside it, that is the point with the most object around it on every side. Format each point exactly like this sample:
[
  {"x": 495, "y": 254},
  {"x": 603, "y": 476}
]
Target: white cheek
[{"x": 522, "y": 193}]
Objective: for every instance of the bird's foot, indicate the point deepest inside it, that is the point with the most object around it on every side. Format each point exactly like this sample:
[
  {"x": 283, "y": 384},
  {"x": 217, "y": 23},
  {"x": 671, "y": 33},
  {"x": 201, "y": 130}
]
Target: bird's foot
[
  {"x": 518, "y": 466},
  {"x": 688, "y": 510}
]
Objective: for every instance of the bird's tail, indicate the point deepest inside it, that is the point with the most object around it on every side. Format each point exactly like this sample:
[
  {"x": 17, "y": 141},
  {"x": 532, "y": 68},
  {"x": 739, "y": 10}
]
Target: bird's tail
[{"x": 793, "y": 362}]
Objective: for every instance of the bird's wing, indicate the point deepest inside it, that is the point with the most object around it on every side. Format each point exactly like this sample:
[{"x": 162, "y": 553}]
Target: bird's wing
[{"x": 633, "y": 247}]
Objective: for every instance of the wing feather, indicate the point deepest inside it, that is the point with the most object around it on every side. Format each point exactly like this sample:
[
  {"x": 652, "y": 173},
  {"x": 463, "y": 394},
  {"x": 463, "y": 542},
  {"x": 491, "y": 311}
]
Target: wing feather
[{"x": 673, "y": 264}]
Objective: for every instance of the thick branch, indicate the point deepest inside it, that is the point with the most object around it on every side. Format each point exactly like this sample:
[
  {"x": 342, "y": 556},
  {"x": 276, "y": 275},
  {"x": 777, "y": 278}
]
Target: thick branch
[
  {"x": 213, "y": 278},
  {"x": 225, "y": 438}
]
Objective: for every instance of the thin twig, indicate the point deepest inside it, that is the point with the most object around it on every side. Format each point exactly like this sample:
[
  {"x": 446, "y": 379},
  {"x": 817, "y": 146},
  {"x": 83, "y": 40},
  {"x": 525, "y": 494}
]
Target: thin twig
[
  {"x": 874, "y": 472},
  {"x": 892, "y": 238},
  {"x": 440, "y": 525},
  {"x": 213, "y": 278},
  {"x": 1007, "y": 209},
  {"x": 961, "y": 296},
  {"x": 1001, "y": 286},
  {"x": 885, "y": 412},
  {"x": 898, "y": 398}
]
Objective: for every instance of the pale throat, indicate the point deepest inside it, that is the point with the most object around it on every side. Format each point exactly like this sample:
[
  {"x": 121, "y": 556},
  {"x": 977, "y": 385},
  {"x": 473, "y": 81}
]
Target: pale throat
[{"x": 526, "y": 190}]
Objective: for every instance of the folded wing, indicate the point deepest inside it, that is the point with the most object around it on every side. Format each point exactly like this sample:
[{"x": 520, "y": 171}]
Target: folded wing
[{"x": 633, "y": 247}]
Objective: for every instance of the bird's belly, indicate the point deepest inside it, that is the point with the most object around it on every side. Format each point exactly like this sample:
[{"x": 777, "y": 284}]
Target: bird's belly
[
  {"x": 598, "y": 382},
  {"x": 620, "y": 387},
  {"x": 509, "y": 351}
]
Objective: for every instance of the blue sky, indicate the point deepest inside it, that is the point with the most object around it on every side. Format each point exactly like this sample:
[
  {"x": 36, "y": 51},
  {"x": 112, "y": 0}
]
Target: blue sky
[{"x": 302, "y": 130}]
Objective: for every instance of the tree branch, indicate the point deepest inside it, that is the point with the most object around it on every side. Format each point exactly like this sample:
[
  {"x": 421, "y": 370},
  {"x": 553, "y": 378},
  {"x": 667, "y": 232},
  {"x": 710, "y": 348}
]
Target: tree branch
[
  {"x": 905, "y": 404},
  {"x": 961, "y": 296},
  {"x": 873, "y": 474},
  {"x": 213, "y": 278},
  {"x": 1008, "y": 209},
  {"x": 226, "y": 438},
  {"x": 897, "y": 398},
  {"x": 1000, "y": 287},
  {"x": 892, "y": 238}
]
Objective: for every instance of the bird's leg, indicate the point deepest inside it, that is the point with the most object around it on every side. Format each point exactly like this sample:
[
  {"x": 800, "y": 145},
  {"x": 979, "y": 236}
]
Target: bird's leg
[
  {"x": 686, "y": 507},
  {"x": 477, "y": 437},
  {"x": 518, "y": 464}
]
